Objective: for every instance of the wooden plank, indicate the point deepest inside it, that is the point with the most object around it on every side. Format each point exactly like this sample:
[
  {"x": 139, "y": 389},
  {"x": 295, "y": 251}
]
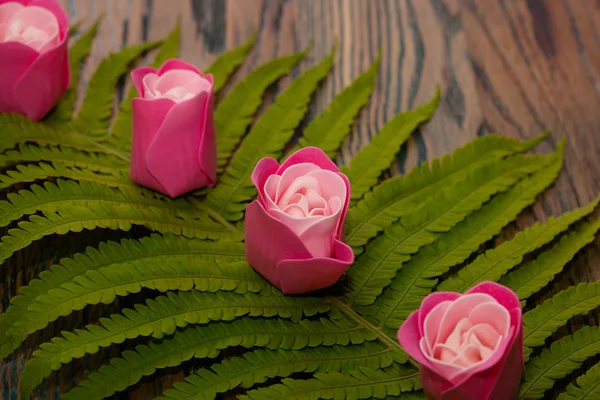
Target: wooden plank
[{"x": 516, "y": 67}]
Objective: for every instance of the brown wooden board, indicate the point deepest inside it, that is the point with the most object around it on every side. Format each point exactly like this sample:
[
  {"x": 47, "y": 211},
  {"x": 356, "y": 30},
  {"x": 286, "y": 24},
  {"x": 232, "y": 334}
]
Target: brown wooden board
[{"x": 515, "y": 67}]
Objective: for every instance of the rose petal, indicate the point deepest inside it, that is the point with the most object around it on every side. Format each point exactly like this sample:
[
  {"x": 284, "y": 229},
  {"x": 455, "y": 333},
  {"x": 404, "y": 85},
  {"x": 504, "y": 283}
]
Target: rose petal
[
  {"x": 454, "y": 341},
  {"x": 300, "y": 184},
  {"x": 149, "y": 84},
  {"x": 318, "y": 237},
  {"x": 431, "y": 325},
  {"x": 446, "y": 369},
  {"x": 331, "y": 184},
  {"x": 185, "y": 81},
  {"x": 7, "y": 10},
  {"x": 310, "y": 155},
  {"x": 37, "y": 27},
  {"x": 428, "y": 304},
  {"x": 485, "y": 334},
  {"x": 315, "y": 200},
  {"x": 503, "y": 295},
  {"x": 459, "y": 309},
  {"x": 491, "y": 313}
]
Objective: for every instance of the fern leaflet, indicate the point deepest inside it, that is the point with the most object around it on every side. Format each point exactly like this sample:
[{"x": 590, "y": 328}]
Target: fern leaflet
[
  {"x": 225, "y": 64},
  {"x": 329, "y": 129},
  {"x": 375, "y": 269},
  {"x": 94, "y": 116},
  {"x": 267, "y": 138},
  {"x": 259, "y": 365},
  {"x": 536, "y": 274},
  {"x": 563, "y": 357},
  {"x": 545, "y": 319},
  {"x": 77, "y": 53},
  {"x": 366, "y": 166},
  {"x": 51, "y": 296},
  {"x": 364, "y": 383},
  {"x": 587, "y": 387},
  {"x": 413, "y": 282},
  {"x": 64, "y": 155},
  {"x": 494, "y": 263},
  {"x": 77, "y": 218},
  {"x": 157, "y": 318},
  {"x": 207, "y": 342},
  {"x": 235, "y": 112},
  {"x": 400, "y": 195}
]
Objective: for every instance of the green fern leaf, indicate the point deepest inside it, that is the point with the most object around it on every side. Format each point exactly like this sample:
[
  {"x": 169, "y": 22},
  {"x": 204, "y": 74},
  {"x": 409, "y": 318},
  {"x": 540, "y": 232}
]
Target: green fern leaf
[
  {"x": 375, "y": 269},
  {"x": 329, "y": 129},
  {"x": 267, "y": 138},
  {"x": 46, "y": 298},
  {"x": 53, "y": 196},
  {"x": 77, "y": 218},
  {"x": 536, "y": 274},
  {"x": 494, "y": 263},
  {"x": 235, "y": 112},
  {"x": 158, "y": 318},
  {"x": 77, "y": 53},
  {"x": 563, "y": 357},
  {"x": 224, "y": 65},
  {"x": 32, "y": 172},
  {"x": 207, "y": 342},
  {"x": 121, "y": 130},
  {"x": 587, "y": 387},
  {"x": 366, "y": 167},
  {"x": 545, "y": 319},
  {"x": 93, "y": 118},
  {"x": 17, "y": 129},
  {"x": 364, "y": 383},
  {"x": 259, "y": 365},
  {"x": 64, "y": 155},
  {"x": 416, "y": 278},
  {"x": 400, "y": 195}
]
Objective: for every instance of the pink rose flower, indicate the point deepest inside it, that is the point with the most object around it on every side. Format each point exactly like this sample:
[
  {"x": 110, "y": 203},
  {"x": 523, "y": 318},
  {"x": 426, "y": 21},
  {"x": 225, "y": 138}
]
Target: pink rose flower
[
  {"x": 34, "y": 66},
  {"x": 174, "y": 147},
  {"x": 470, "y": 346},
  {"x": 293, "y": 229}
]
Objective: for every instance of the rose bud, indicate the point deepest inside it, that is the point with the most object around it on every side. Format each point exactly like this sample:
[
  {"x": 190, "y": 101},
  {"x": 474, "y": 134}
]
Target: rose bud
[
  {"x": 173, "y": 147},
  {"x": 293, "y": 229},
  {"x": 469, "y": 346},
  {"x": 34, "y": 66}
]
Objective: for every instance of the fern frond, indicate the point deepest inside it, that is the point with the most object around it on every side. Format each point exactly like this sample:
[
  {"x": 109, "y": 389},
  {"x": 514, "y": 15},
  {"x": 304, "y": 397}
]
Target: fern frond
[
  {"x": 224, "y": 65},
  {"x": 77, "y": 53},
  {"x": 121, "y": 130},
  {"x": 364, "y": 383},
  {"x": 259, "y": 365},
  {"x": 235, "y": 112},
  {"x": 385, "y": 255},
  {"x": 416, "y": 278},
  {"x": 587, "y": 386},
  {"x": 377, "y": 156},
  {"x": 207, "y": 342},
  {"x": 33, "y": 172},
  {"x": 533, "y": 276},
  {"x": 400, "y": 195},
  {"x": 77, "y": 218},
  {"x": 55, "y": 292},
  {"x": 53, "y": 196},
  {"x": 267, "y": 138},
  {"x": 545, "y": 319},
  {"x": 563, "y": 357},
  {"x": 93, "y": 118},
  {"x": 329, "y": 129},
  {"x": 64, "y": 155},
  {"x": 158, "y": 318},
  {"x": 494, "y": 263},
  {"x": 16, "y": 129}
]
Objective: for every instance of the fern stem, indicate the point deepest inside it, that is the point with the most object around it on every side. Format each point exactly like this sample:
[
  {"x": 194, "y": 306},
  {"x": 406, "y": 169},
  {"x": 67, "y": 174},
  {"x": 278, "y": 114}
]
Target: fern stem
[
  {"x": 383, "y": 338},
  {"x": 219, "y": 218}
]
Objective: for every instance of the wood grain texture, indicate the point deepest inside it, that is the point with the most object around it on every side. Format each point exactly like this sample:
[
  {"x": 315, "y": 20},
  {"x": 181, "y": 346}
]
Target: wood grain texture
[{"x": 515, "y": 67}]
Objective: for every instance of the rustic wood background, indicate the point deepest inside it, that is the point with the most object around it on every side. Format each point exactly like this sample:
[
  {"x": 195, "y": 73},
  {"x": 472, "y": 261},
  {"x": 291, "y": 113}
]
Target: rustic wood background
[{"x": 515, "y": 67}]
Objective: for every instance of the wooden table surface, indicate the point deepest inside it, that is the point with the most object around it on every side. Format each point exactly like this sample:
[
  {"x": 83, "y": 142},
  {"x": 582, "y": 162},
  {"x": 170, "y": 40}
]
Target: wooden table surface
[{"x": 515, "y": 67}]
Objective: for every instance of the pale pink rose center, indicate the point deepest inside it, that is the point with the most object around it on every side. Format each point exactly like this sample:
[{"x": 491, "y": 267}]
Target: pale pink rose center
[
  {"x": 177, "y": 85},
  {"x": 463, "y": 334},
  {"x": 33, "y": 26},
  {"x": 310, "y": 201}
]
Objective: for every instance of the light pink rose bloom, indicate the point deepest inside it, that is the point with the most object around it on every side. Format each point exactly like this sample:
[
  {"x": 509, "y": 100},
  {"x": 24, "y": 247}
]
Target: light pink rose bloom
[
  {"x": 34, "y": 66},
  {"x": 293, "y": 229},
  {"x": 470, "y": 346},
  {"x": 174, "y": 147}
]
